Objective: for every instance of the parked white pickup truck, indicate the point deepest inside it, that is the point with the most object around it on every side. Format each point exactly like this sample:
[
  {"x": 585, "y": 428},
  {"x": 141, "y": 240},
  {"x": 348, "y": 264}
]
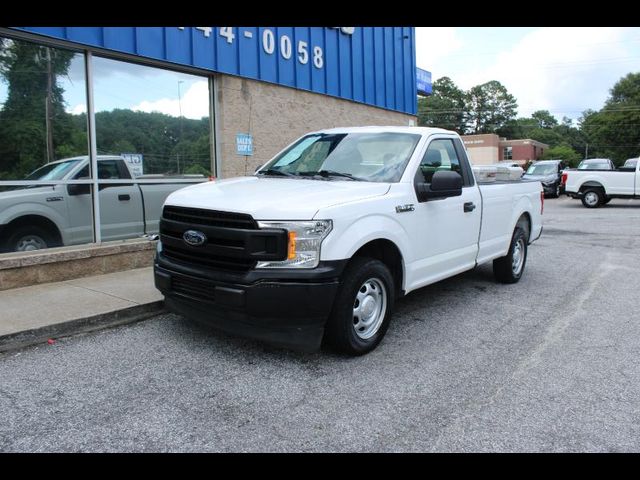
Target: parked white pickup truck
[
  {"x": 598, "y": 187},
  {"x": 321, "y": 241},
  {"x": 40, "y": 215}
]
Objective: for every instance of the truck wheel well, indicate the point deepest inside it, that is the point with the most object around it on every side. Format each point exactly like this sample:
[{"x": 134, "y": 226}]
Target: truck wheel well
[
  {"x": 587, "y": 185},
  {"x": 389, "y": 254},
  {"x": 526, "y": 218},
  {"x": 37, "y": 221}
]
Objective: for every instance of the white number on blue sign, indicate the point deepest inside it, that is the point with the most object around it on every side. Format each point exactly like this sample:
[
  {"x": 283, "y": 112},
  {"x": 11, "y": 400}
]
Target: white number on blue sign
[
  {"x": 285, "y": 47},
  {"x": 205, "y": 30},
  {"x": 303, "y": 54},
  {"x": 269, "y": 43},
  {"x": 227, "y": 32}
]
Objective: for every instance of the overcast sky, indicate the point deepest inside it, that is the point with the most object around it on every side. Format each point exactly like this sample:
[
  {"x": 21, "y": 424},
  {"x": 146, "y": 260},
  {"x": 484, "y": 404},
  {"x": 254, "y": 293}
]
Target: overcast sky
[{"x": 565, "y": 70}]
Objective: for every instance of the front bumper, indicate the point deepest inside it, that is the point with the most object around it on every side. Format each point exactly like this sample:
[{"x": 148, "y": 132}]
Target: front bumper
[
  {"x": 549, "y": 189},
  {"x": 286, "y": 308}
]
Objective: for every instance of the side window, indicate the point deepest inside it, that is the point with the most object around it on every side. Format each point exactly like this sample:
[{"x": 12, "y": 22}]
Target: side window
[
  {"x": 440, "y": 155},
  {"x": 108, "y": 170},
  {"x": 82, "y": 174}
]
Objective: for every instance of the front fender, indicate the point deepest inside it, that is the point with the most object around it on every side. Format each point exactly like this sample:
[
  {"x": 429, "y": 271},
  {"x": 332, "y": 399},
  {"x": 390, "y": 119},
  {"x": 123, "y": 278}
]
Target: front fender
[
  {"x": 348, "y": 237},
  {"x": 13, "y": 212}
]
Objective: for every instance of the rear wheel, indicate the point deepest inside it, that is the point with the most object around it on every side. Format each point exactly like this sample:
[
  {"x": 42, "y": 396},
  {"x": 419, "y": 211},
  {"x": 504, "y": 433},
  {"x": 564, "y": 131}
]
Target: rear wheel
[
  {"x": 509, "y": 269},
  {"x": 592, "y": 198},
  {"x": 362, "y": 309}
]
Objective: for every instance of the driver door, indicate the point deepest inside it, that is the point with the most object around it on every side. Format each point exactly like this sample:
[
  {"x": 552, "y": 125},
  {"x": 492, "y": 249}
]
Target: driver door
[{"x": 445, "y": 230}]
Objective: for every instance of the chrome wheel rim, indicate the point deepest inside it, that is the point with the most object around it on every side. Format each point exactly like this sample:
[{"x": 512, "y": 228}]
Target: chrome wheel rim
[
  {"x": 517, "y": 257},
  {"x": 591, "y": 198},
  {"x": 29, "y": 243},
  {"x": 369, "y": 308}
]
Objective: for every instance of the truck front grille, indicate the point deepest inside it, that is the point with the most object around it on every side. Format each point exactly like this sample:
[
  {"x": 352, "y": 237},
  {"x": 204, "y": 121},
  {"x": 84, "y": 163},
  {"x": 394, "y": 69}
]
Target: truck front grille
[
  {"x": 233, "y": 241},
  {"x": 212, "y": 218}
]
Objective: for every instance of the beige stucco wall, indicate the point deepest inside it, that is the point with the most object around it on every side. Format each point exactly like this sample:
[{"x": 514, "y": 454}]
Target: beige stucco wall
[
  {"x": 482, "y": 155},
  {"x": 276, "y": 116}
]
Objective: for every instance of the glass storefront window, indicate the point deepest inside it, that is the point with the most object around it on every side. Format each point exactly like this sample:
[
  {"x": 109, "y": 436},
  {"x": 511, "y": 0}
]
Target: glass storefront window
[
  {"x": 158, "y": 122},
  {"x": 43, "y": 138},
  {"x": 153, "y": 136}
]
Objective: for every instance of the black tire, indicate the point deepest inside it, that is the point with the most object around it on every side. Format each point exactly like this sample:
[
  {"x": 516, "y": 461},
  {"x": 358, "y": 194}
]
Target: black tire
[
  {"x": 557, "y": 191},
  {"x": 340, "y": 332},
  {"x": 26, "y": 238},
  {"x": 504, "y": 268},
  {"x": 592, "y": 197}
]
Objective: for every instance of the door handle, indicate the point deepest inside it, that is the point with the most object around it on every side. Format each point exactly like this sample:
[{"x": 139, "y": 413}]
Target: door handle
[
  {"x": 469, "y": 207},
  {"x": 124, "y": 197}
]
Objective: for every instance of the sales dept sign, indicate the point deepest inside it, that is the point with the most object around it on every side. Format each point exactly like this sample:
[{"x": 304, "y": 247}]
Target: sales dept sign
[{"x": 244, "y": 144}]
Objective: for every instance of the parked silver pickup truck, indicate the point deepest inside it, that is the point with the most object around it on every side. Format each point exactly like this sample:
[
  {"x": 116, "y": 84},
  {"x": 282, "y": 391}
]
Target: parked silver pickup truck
[{"x": 41, "y": 216}]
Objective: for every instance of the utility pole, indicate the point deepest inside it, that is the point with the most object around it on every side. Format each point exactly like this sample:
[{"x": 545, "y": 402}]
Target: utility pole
[
  {"x": 586, "y": 151},
  {"x": 48, "y": 107},
  {"x": 180, "y": 110}
]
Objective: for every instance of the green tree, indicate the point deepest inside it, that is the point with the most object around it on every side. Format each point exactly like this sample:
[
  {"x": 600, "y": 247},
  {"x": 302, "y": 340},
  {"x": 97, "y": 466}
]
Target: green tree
[
  {"x": 33, "y": 123},
  {"x": 614, "y": 131},
  {"x": 544, "y": 119},
  {"x": 445, "y": 108},
  {"x": 489, "y": 107},
  {"x": 563, "y": 152}
]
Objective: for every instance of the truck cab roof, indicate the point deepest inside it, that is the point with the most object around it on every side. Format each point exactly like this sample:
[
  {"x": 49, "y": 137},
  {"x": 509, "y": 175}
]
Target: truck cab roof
[{"x": 383, "y": 129}]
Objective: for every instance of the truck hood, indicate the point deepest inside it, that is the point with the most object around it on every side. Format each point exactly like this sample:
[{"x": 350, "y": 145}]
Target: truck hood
[
  {"x": 26, "y": 194},
  {"x": 274, "y": 198},
  {"x": 542, "y": 178}
]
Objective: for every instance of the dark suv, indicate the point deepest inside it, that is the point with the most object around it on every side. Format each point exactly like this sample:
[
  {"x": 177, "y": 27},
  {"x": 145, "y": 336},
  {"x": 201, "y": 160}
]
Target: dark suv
[{"x": 549, "y": 173}]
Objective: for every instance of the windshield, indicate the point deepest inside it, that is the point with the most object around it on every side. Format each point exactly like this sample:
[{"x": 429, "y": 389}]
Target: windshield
[
  {"x": 542, "y": 169},
  {"x": 601, "y": 165},
  {"x": 52, "y": 171},
  {"x": 372, "y": 157}
]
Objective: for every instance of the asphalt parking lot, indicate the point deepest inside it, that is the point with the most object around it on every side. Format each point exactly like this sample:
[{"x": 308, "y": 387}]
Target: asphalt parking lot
[{"x": 548, "y": 364}]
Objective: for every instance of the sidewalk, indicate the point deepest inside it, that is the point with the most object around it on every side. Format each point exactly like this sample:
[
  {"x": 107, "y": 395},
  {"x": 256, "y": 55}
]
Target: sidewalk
[{"x": 31, "y": 315}]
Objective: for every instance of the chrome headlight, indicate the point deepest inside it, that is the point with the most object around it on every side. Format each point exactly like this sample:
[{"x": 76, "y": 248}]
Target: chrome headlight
[{"x": 303, "y": 243}]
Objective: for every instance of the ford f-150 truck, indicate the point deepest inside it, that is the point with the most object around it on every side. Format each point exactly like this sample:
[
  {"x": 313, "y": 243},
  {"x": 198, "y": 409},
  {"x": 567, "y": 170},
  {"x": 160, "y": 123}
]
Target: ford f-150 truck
[
  {"x": 323, "y": 239},
  {"x": 598, "y": 187},
  {"x": 40, "y": 215}
]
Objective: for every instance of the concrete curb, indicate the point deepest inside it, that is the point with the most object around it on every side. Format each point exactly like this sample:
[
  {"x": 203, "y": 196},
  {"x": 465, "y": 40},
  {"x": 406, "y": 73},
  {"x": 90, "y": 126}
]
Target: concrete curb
[{"x": 101, "y": 321}]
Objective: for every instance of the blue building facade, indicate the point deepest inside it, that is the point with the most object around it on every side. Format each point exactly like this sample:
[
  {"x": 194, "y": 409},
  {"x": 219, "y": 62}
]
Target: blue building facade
[{"x": 371, "y": 65}]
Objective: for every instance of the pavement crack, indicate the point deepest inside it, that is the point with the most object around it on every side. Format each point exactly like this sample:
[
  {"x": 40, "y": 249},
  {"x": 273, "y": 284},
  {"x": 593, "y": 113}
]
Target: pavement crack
[{"x": 105, "y": 293}]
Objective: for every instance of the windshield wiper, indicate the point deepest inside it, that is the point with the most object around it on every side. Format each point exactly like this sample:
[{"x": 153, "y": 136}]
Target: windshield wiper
[
  {"x": 273, "y": 171},
  {"x": 332, "y": 173}
]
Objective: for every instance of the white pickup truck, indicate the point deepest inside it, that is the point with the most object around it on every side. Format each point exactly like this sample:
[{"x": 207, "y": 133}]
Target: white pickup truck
[
  {"x": 320, "y": 242},
  {"x": 38, "y": 216},
  {"x": 598, "y": 187}
]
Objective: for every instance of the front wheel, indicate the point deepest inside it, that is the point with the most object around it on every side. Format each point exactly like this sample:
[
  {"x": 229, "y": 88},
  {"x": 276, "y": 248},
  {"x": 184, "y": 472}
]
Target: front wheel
[
  {"x": 509, "y": 269},
  {"x": 362, "y": 309},
  {"x": 28, "y": 238}
]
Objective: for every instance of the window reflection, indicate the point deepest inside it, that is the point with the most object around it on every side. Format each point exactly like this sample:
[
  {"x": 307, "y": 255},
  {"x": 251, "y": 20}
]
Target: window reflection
[
  {"x": 157, "y": 118},
  {"x": 42, "y": 97}
]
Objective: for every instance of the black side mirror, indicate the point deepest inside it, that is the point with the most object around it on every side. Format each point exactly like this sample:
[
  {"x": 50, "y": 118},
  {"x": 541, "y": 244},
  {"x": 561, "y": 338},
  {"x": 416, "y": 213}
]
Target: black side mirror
[
  {"x": 443, "y": 184},
  {"x": 78, "y": 189}
]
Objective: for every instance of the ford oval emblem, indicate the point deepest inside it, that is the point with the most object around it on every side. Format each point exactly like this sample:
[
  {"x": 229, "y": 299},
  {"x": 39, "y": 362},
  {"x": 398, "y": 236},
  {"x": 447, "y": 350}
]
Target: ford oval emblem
[{"x": 194, "y": 238}]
